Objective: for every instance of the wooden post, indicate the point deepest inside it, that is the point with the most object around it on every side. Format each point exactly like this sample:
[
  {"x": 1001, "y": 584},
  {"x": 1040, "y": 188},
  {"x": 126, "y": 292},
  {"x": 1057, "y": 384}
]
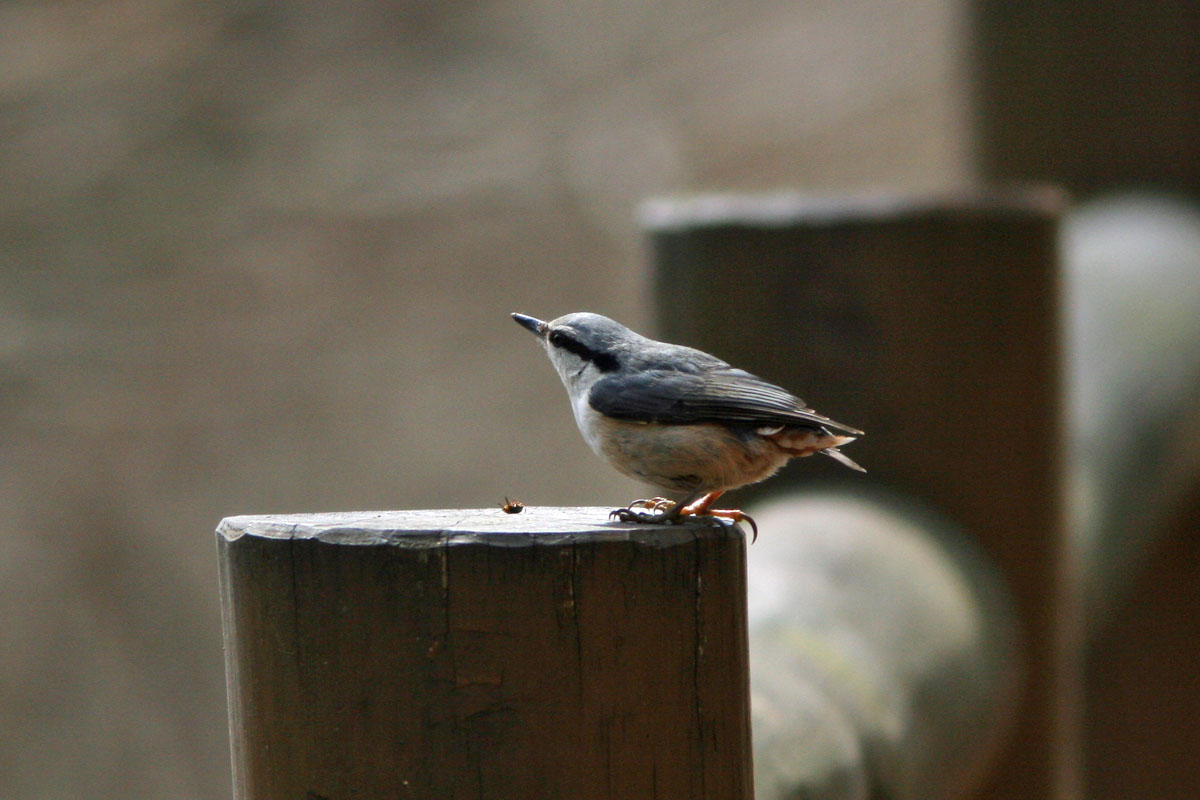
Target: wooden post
[
  {"x": 932, "y": 324},
  {"x": 1094, "y": 96},
  {"x": 477, "y": 654}
]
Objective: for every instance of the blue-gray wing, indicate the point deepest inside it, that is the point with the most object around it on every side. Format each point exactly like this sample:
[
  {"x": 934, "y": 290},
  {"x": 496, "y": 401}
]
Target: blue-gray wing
[{"x": 729, "y": 396}]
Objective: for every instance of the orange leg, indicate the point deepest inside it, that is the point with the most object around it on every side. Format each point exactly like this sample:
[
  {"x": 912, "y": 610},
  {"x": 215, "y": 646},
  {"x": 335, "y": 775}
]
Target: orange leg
[
  {"x": 667, "y": 511},
  {"x": 703, "y": 507},
  {"x": 737, "y": 516}
]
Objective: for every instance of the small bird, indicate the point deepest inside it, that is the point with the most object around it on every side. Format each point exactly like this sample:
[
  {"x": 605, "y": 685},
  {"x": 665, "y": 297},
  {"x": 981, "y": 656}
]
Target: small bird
[{"x": 678, "y": 418}]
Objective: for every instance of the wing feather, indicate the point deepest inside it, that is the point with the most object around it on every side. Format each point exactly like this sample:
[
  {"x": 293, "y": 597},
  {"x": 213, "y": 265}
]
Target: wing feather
[{"x": 725, "y": 395}]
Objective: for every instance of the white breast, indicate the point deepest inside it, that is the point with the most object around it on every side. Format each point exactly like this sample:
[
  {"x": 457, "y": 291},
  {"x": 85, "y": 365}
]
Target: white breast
[{"x": 590, "y": 423}]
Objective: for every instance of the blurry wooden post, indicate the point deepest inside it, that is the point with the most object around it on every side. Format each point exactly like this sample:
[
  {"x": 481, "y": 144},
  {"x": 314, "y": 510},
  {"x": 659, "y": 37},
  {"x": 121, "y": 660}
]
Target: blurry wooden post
[
  {"x": 1093, "y": 96},
  {"x": 933, "y": 325},
  {"x": 464, "y": 654}
]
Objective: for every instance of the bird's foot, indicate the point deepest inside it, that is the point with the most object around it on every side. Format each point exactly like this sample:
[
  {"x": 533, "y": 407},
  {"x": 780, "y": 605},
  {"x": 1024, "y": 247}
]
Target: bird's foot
[
  {"x": 656, "y": 509},
  {"x": 660, "y": 509},
  {"x": 729, "y": 513},
  {"x": 702, "y": 508},
  {"x": 653, "y": 504}
]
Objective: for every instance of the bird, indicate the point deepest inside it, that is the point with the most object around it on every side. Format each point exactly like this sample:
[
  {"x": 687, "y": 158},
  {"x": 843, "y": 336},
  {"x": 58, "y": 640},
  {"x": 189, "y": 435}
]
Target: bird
[{"x": 677, "y": 418}]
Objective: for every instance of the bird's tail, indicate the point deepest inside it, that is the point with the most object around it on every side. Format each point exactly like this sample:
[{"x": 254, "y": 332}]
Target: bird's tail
[
  {"x": 842, "y": 458},
  {"x": 805, "y": 442}
]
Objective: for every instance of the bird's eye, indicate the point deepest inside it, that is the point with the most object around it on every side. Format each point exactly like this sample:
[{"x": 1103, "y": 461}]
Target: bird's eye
[{"x": 557, "y": 338}]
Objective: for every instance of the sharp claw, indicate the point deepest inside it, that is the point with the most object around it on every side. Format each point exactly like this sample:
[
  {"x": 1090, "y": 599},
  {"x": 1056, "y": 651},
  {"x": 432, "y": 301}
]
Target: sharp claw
[
  {"x": 653, "y": 513},
  {"x": 632, "y": 514},
  {"x": 628, "y": 515},
  {"x": 736, "y": 516},
  {"x": 653, "y": 504}
]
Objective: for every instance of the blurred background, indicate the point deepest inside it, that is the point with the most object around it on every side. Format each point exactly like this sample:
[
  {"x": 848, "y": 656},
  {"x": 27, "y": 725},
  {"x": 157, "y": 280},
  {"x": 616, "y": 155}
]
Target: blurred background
[{"x": 259, "y": 257}]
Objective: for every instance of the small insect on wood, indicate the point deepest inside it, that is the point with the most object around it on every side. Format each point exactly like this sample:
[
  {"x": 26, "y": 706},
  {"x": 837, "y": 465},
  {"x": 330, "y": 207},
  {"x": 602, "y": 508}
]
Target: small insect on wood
[{"x": 512, "y": 506}]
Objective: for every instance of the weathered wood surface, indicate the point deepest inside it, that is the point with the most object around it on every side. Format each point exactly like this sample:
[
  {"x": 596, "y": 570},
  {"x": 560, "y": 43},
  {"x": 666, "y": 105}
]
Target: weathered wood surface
[
  {"x": 477, "y": 654},
  {"x": 932, "y": 323}
]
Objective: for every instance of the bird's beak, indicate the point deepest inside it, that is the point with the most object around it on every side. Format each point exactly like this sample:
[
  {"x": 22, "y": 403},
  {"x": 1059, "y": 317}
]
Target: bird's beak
[{"x": 532, "y": 323}]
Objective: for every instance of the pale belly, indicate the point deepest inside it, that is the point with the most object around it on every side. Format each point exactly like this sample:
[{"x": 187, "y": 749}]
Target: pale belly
[{"x": 681, "y": 458}]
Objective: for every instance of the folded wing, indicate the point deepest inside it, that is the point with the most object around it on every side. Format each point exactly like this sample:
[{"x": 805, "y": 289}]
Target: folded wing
[{"x": 724, "y": 395}]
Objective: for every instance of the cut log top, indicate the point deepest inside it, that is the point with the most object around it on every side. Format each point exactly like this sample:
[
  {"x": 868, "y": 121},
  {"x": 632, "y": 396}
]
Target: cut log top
[
  {"x": 439, "y": 527},
  {"x": 690, "y": 214},
  {"x": 473, "y": 653}
]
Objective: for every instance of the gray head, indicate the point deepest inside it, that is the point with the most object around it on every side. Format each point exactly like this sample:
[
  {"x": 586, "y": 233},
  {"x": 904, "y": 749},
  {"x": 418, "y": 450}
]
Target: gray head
[{"x": 585, "y": 347}]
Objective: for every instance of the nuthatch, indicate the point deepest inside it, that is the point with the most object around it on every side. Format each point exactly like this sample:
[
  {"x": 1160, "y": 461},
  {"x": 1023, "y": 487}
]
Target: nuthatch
[{"x": 678, "y": 418}]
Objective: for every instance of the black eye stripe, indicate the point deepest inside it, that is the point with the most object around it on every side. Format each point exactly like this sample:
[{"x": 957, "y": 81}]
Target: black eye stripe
[{"x": 603, "y": 361}]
